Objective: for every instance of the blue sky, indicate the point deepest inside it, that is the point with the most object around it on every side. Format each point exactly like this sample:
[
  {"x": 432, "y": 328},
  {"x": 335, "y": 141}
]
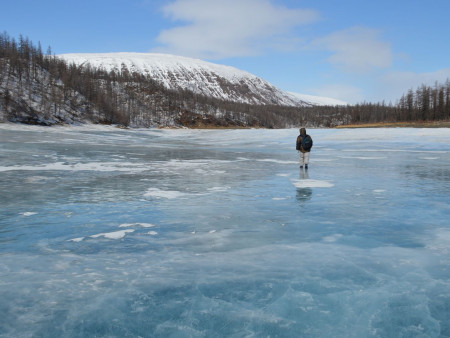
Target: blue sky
[{"x": 350, "y": 50}]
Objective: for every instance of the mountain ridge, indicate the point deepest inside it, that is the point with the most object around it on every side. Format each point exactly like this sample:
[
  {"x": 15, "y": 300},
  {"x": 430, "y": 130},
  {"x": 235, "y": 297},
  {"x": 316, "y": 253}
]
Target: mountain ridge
[{"x": 201, "y": 77}]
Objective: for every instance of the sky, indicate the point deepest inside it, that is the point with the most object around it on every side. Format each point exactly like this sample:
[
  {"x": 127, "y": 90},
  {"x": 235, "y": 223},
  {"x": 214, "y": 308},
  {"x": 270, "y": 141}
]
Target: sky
[{"x": 351, "y": 50}]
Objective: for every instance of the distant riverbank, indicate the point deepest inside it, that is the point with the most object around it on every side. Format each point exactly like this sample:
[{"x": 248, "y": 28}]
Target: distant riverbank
[{"x": 418, "y": 124}]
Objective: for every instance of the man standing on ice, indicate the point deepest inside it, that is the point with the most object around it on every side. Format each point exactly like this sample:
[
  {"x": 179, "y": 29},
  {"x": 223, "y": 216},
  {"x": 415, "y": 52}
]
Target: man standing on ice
[{"x": 304, "y": 145}]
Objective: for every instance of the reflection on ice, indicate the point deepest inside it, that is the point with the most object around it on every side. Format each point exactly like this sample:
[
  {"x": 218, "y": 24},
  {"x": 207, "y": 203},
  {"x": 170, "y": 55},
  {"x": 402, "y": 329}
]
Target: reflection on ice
[
  {"x": 308, "y": 183},
  {"x": 305, "y": 182},
  {"x": 201, "y": 233}
]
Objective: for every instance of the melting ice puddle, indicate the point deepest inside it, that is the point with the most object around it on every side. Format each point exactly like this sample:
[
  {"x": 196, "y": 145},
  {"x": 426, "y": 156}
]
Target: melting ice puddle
[{"x": 312, "y": 184}]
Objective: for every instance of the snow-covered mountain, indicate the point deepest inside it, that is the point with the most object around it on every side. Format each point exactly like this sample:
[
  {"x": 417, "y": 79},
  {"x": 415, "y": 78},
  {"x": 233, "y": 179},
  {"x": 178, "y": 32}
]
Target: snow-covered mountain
[
  {"x": 319, "y": 100},
  {"x": 205, "y": 78}
]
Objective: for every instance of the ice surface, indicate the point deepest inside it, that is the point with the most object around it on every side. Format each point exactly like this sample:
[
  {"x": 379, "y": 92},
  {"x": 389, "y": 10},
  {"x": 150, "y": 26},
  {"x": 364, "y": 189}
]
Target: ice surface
[{"x": 200, "y": 233}]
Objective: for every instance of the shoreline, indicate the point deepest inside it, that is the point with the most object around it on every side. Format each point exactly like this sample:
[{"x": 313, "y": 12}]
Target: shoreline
[
  {"x": 416, "y": 124},
  {"x": 421, "y": 124}
]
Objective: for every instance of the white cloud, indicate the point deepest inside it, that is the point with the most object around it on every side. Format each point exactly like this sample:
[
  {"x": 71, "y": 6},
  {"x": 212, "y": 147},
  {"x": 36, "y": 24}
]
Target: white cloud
[
  {"x": 411, "y": 80},
  {"x": 341, "y": 92},
  {"x": 233, "y": 28},
  {"x": 356, "y": 50},
  {"x": 393, "y": 85}
]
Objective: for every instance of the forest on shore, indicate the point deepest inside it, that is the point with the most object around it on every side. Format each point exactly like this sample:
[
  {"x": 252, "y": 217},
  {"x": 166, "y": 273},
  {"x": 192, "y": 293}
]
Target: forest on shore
[{"x": 40, "y": 88}]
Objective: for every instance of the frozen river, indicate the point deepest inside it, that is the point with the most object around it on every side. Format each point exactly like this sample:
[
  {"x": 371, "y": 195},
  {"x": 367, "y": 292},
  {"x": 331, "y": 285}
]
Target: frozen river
[{"x": 193, "y": 233}]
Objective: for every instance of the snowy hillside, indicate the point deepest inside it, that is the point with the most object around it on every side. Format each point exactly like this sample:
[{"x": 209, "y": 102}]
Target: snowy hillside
[
  {"x": 205, "y": 78},
  {"x": 318, "y": 100}
]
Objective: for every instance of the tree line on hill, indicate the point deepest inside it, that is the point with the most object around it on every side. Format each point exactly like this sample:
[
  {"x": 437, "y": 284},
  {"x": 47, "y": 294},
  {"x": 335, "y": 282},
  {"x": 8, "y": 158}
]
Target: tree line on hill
[{"x": 39, "y": 88}]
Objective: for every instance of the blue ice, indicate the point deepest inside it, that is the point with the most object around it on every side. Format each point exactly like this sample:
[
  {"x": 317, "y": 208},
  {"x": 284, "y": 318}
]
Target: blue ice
[{"x": 217, "y": 233}]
